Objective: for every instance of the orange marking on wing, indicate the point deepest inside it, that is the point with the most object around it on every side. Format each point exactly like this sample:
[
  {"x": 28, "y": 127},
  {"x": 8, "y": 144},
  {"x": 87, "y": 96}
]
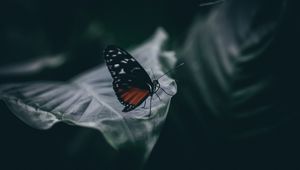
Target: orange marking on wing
[
  {"x": 130, "y": 96},
  {"x": 134, "y": 95},
  {"x": 138, "y": 97},
  {"x": 125, "y": 94}
]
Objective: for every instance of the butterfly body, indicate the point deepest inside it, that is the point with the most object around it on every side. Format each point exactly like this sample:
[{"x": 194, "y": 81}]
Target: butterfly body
[{"x": 131, "y": 82}]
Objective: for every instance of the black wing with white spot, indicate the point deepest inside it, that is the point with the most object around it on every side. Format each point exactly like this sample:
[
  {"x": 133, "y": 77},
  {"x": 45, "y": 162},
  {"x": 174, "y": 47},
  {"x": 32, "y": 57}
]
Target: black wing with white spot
[{"x": 131, "y": 82}]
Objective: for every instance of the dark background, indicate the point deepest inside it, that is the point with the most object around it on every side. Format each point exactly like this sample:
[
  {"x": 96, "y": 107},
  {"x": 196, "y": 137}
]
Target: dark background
[{"x": 81, "y": 29}]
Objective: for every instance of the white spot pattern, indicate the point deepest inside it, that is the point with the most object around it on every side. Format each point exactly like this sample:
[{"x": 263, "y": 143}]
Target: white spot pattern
[{"x": 122, "y": 71}]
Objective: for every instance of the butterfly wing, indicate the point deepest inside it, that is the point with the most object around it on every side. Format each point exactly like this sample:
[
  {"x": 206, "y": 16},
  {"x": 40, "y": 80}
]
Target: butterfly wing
[{"x": 131, "y": 82}]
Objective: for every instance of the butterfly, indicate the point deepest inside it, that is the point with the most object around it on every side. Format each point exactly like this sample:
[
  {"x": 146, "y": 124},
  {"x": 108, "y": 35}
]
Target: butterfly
[{"x": 131, "y": 83}]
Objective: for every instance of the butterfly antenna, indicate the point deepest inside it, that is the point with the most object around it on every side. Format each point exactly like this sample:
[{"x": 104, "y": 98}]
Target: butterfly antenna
[
  {"x": 171, "y": 70},
  {"x": 211, "y": 3}
]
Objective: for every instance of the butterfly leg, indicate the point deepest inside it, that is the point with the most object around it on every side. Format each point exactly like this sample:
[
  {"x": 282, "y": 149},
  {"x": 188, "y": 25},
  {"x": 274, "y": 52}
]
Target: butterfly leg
[
  {"x": 158, "y": 96},
  {"x": 150, "y": 106},
  {"x": 166, "y": 92},
  {"x": 144, "y": 104}
]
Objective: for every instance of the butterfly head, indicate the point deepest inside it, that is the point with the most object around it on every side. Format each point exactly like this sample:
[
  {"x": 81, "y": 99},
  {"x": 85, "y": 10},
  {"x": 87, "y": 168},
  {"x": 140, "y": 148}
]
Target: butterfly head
[{"x": 156, "y": 86}]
